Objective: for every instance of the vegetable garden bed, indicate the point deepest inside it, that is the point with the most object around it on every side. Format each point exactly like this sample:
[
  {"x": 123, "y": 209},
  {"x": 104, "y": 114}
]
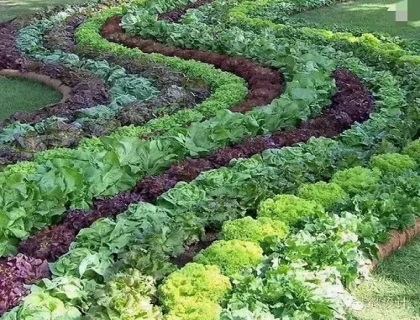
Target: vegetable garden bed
[{"x": 208, "y": 163}]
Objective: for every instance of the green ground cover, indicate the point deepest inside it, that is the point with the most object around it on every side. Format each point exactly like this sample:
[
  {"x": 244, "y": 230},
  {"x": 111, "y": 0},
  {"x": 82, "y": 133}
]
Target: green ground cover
[
  {"x": 394, "y": 290},
  {"x": 24, "y": 95},
  {"x": 364, "y": 15}
]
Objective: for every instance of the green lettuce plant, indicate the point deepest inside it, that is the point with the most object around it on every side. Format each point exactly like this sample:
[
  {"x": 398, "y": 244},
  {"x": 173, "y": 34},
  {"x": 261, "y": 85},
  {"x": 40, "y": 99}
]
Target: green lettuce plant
[
  {"x": 254, "y": 230},
  {"x": 289, "y": 209},
  {"x": 393, "y": 163},
  {"x": 326, "y": 194},
  {"x": 197, "y": 281},
  {"x": 357, "y": 180},
  {"x": 231, "y": 256}
]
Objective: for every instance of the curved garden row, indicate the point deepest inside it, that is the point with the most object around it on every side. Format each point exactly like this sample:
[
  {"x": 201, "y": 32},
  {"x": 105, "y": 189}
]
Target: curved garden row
[
  {"x": 54, "y": 242},
  {"x": 86, "y": 92},
  {"x": 64, "y": 125},
  {"x": 310, "y": 245},
  {"x": 146, "y": 237},
  {"x": 48, "y": 243},
  {"x": 116, "y": 173}
]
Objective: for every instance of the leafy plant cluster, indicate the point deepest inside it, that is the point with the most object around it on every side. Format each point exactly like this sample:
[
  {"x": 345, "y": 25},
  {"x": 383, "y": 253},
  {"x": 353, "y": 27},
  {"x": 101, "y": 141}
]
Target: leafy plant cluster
[
  {"x": 374, "y": 49},
  {"x": 119, "y": 175},
  {"x": 298, "y": 265},
  {"x": 227, "y": 88},
  {"x": 303, "y": 274},
  {"x": 258, "y": 26},
  {"x": 195, "y": 292},
  {"x": 280, "y": 12},
  {"x": 126, "y": 89},
  {"x": 200, "y": 139}
]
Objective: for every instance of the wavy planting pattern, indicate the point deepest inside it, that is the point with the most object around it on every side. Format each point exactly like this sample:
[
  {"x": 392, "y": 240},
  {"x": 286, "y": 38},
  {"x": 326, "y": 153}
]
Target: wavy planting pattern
[
  {"x": 64, "y": 125},
  {"x": 264, "y": 83},
  {"x": 51, "y": 244},
  {"x": 190, "y": 169},
  {"x": 218, "y": 81},
  {"x": 184, "y": 210},
  {"x": 157, "y": 155},
  {"x": 152, "y": 187}
]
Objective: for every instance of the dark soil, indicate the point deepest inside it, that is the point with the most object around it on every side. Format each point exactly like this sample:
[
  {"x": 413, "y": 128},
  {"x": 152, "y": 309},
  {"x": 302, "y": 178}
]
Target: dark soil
[{"x": 192, "y": 250}]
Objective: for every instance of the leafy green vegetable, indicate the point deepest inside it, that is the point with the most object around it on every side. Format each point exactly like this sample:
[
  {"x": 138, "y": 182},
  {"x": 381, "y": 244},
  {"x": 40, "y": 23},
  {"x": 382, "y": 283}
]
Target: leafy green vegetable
[
  {"x": 190, "y": 309},
  {"x": 413, "y": 150},
  {"x": 196, "y": 281},
  {"x": 289, "y": 209},
  {"x": 43, "y": 306},
  {"x": 83, "y": 263},
  {"x": 357, "y": 180},
  {"x": 277, "y": 291},
  {"x": 393, "y": 163},
  {"x": 254, "y": 230},
  {"x": 231, "y": 256},
  {"x": 128, "y": 296},
  {"x": 326, "y": 194}
]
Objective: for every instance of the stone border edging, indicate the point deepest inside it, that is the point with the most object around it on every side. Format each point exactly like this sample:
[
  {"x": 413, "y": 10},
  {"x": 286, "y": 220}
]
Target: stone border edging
[{"x": 55, "y": 84}]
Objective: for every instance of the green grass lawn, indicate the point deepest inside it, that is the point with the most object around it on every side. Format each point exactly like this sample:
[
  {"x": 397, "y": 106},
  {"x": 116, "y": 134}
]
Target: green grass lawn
[
  {"x": 394, "y": 291},
  {"x": 24, "y": 95},
  {"x": 364, "y": 15},
  {"x": 12, "y": 8}
]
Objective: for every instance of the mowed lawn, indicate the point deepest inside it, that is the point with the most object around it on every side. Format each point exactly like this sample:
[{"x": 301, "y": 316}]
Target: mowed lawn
[
  {"x": 10, "y": 9},
  {"x": 364, "y": 15},
  {"x": 24, "y": 95},
  {"x": 394, "y": 291}
]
